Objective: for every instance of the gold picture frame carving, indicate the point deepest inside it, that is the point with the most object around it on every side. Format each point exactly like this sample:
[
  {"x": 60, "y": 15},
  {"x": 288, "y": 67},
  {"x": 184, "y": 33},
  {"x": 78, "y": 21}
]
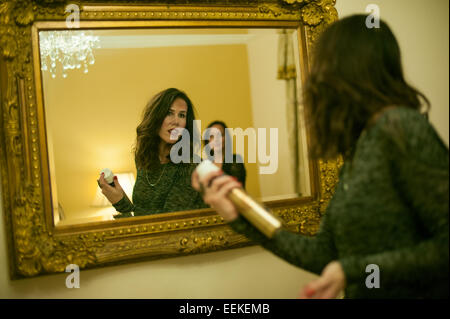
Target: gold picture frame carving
[{"x": 35, "y": 245}]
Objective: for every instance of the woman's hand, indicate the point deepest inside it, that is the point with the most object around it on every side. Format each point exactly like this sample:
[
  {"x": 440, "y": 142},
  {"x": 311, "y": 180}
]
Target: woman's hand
[
  {"x": 112, "y": 193},
  {"x": 215, "y": 195},
  {"x": 329, "y": 285}
]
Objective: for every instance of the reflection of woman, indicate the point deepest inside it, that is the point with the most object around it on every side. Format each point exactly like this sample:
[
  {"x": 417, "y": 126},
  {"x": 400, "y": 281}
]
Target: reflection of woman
[
  {"x": 161, "y": 185},
  {"x": 235, "y": 168},
  {"x": 389, "y": 216}
]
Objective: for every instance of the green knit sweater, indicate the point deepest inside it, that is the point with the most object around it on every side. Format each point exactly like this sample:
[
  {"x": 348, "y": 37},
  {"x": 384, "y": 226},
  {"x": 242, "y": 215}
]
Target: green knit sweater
[
  {"x": 390, "y": 208},
  {"x": 165, "y": 189}
]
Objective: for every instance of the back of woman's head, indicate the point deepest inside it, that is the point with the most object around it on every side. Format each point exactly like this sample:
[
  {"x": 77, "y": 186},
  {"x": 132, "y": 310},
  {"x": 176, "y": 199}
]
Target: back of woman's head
[
  {"x": 356, "y": 72},
  {"x": 147, "y": 140}
]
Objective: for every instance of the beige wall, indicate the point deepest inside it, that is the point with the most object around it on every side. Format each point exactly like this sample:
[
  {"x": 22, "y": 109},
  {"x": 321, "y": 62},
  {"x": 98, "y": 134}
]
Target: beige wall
[
  {"x": 269, "y": 109},
  {"x": 252, "y": 272}
]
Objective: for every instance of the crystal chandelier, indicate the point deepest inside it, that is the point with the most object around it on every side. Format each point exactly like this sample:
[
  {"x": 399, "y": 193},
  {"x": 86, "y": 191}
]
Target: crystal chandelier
[{"x": 71, "y": 49}]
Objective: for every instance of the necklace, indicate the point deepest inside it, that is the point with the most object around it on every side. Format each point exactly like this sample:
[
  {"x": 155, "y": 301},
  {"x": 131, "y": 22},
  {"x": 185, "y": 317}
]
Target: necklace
[{"x": 148, "y": 181}]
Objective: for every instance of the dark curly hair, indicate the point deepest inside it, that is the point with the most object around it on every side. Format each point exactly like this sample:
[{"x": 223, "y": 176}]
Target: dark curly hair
[
  {"x": 146, "y": 150},
  {"x": 355, "y": 73}
]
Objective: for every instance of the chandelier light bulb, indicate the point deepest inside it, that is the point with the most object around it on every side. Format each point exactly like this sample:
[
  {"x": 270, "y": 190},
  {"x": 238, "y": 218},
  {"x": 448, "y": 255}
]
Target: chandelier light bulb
[
  {"x": 91, "y": 59},
  {"x": 70, "y": 48}
]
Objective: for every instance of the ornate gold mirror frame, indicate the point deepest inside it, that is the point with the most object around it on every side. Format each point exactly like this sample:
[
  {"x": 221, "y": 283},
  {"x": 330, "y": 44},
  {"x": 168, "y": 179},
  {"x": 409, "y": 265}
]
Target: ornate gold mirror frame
[{"x": 35, "y": 245}]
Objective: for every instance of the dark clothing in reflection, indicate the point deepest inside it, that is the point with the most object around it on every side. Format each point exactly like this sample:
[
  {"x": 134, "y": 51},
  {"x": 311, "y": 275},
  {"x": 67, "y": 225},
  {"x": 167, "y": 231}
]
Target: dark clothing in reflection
[
  {"x": 168, "y": 189},
  {"x": 236, "y": 169},
  {"x": 165, "y": 189}
]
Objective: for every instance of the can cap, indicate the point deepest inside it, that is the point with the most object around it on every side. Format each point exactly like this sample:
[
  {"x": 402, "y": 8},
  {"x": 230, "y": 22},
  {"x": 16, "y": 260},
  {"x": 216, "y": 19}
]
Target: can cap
[
  {"x": 109, "y": 176},
  {"x": 206, "y": 167}
]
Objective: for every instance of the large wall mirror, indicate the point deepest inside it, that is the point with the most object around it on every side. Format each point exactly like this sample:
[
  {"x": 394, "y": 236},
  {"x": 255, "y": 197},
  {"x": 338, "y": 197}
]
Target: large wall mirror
[
  {"x": 238, "y": 76},
  {"x": 73, "y": 97}
]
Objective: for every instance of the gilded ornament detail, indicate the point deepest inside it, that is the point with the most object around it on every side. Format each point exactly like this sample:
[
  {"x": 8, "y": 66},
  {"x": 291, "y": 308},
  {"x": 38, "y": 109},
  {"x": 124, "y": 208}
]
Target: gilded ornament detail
[{"x": 312, "y": 14}]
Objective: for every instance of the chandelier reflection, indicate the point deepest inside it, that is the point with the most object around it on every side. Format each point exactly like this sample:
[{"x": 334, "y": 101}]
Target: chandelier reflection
[{"x": 71, "y": 49}]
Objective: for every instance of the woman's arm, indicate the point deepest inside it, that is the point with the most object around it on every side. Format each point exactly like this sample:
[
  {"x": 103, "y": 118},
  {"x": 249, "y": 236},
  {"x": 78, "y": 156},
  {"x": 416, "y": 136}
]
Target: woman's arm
[
  {"x": 310, "y": 253},
  {"x": 125, "y": 207},
  {"x": 117, "y": 197}
]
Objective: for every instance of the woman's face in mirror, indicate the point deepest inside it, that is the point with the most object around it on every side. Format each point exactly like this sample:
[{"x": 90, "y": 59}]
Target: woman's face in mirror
[
  {"x": 220, "y": 143},
  {"x": 175, "y": 118}
]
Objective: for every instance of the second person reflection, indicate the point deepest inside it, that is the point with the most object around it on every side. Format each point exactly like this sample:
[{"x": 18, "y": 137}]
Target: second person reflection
[
  {"x": 161, "y": 185},
  {"x": 235, "y": 168}
]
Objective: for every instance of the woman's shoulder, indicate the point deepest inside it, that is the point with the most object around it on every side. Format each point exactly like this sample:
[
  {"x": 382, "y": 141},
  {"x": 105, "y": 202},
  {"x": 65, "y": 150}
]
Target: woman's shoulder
[
  {"x": 400, "y": 115},
  {"x": 403, "y": 112},
  {"x": 410, "y": 131},
  {"x": 237, "y": 158},
  {"x": 403, "y": 120}
]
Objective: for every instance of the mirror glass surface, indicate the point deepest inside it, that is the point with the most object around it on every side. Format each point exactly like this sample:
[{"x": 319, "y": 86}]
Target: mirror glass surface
[{"x": 231, "y": 75}]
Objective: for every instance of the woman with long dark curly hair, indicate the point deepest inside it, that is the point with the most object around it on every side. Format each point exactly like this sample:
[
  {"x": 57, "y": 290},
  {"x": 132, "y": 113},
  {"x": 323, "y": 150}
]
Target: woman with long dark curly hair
[
  {"x": 385, "y": 233},
  {"x": 162, "y": 185}
]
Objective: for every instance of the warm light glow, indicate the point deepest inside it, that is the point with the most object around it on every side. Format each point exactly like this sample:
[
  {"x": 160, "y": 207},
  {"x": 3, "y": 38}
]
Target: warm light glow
[
  {"x": 70, "y": 48},
  {"x": 126, "y": 180}
]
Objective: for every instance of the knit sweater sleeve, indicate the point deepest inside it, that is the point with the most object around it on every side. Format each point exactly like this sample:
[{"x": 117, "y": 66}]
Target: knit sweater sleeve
[
  {"x": 419, "y": 162},
  {"x": 309, "y": 253},
  {"x": 124, "y": 207}
]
